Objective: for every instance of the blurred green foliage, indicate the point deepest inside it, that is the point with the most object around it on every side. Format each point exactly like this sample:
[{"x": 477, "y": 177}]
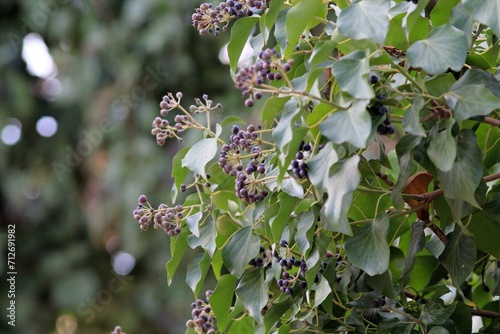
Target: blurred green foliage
[{"x": 115, "y": 60}]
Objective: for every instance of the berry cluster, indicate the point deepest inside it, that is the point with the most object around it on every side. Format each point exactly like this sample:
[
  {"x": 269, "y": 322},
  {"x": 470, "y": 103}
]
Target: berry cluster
[
  {"x": 378, "y": 109},
  {"x": 260, "y": 260},
  {"x": 202, "y": 321},
  {"x": 201, "y": 107},
  {"x": 288, "y": 281},
  {"x": 165, "y": 217},
  {"x": 299, "y": 166},
  {"x": 247, "y": 185},
  {"x": 269, "y": 66},
  {"x": 376, "y": 303},
  {"x": 207, "y": 17}
]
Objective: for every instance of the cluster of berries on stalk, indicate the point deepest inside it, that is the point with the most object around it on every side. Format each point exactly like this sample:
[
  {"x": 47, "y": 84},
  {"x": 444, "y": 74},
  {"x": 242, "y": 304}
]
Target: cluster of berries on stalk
[
  {"x": 260, "y": 260},
  {"x": 377, "y": 109},
  {"x": 268, "y": 67},
  {"x": 379, "y": 302},
  {"x": 299, "y": 165},
  {"x": 163, "y": 129},
  {"x": 208, "y": 18},
  {"x": 289, "y": 281},
  {"x": 243, "y": 145},
  {"x": 165, "y": 217},
  {"x": 202, "y": 321}
]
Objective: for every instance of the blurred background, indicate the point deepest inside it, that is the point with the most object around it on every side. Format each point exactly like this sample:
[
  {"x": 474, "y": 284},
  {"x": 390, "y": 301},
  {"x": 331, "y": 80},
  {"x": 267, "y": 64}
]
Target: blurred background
[{"x": 80, "y": 84}]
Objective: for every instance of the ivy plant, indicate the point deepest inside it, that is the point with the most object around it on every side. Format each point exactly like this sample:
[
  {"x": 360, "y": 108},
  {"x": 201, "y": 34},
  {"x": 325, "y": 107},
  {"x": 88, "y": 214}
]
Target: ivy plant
[{"x": 366, "y": 198}]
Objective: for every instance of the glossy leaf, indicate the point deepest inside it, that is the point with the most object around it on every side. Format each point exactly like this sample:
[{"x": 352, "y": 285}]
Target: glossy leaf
[
  {"x": 178, "y": 246},
  {"x": 253, "y": 292},
  {"x": 221, "y": 300},
  {"x": 243, "y": 246},
  {"x": 240, "y": 32},
  {"x": 201, "y": 153},
  {"x": 365, "y": 19},
  {"x": 487, "y": 13},
  {"x": 206, "y": 240},
  {"x": 352, "y": 125},
  {"x": 322, "y": 291},
  {"x": 368, "y": 248},
  {"x": 351, "y": 73},
  {"x": 192, "y": 223},
  {"x": 430, "y": 54},
  {"x": 411, "y": 119},
  {"x": 463, "y": 179},
  {"x": 197, "y": 269},
  {"x": 459, "y": 256},
  {"x": 343, "y": 178},
  {"x": 442, "y": 148},
  {"x": 306, "y": 221}
]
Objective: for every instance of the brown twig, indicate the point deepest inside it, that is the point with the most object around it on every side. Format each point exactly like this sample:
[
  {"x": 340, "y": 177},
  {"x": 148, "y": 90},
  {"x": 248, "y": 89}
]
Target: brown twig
[
  {"x": 386, "y": 179},
  {"x": 492, "y": 121},
  {"x": 478, "y": 312}
]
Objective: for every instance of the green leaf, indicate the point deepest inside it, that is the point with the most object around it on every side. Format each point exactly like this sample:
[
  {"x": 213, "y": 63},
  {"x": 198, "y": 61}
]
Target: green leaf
[
  {"x": 463, "y": 21},
  {"x": 201, "y": 153},
  {"x": 306, "y": 221},
  {"x": 319, "y": 166},
  {"x": 352, "y": 125},
  {"x": 275, "y": 312},
  {"x": 431, "y": 55},
  {"x": 206, "y": 240},
  {"x": 485, "y": 234},
  {"x": 240, "y": 32},
  {"x": 417, "y": 243},
  {"x": 221, "y": 300},
  {"x": 253, "y": 292},
  {"x": 178, "y": 246},
  {"x": 411, "y": 118},
  {"x": 368, "y": 248},
  {"x": 438, "y": 330},
  {"x": 442, "y": 149},
  {"x": 271, "y": 109},
  {"x": 342, "y": 180},
  {"x": 462, "y": 317},
  {"x": 396, "y": 36},
  {"x": 351, "y": 73},
  {"x": 477, "y": 93},
  {"x": 463, "y": 179},
  {"x": 440, "y": 84},
  {"x": 442, "y": 11},
  {"x": 365, "y": 19},
  {"x": 297, "y": 20},
  {"x": 243, "y": 246},
  {"x": 286, "y": 204},
  {"x": 487, "y": 12},
  {"x": 322, "y": 291},
  {"x": 492, "y": 208},
  {"x": 434, "y": 313},
  {"x": 197, "y": 271},
  {"x": 242, "y": 325},
  {"x": 382, "y": 283},
  {"x": 459, "y": 256},
  {"x": 179, "y": 173},
  {"x": 269, "y": 17},
  {"x": 404, "y": 150},
  {"x": 192, "y": 223}
]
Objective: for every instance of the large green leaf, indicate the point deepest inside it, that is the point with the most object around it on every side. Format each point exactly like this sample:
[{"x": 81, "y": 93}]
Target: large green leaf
[
  {"x": 442, "y": 11},
  {"x": 434, "y": 313},
  {"x": 463, "y": 179},
  {"x": 365, "y": 19},
  {"x": 459, "y": 256},
  {"x": 178, "y": 246},
  {"x": 351, "y": 73},
  {"x": 281, "y": 220},
  {"x": 411, "y": 118},
  {"x": 417, "y": 243},
  {"x": 306, "y": 221},
  {"x": 404, "y": 150},
  {"x": 322, "y": 291},
  {"x": 319, "y": 166},
  {"x": 298, "y": 19},
  {"x": 352, "y": 125},
  {"x": 253, "y": 292},
  {"x": 240, "y": 32},
  {"x": 221, "y": 300},
  {"x": 242, "y": 325},
  {"x": 206, "y": 240},
  {"x": 243, "y": 246},
  {"x": 201, "y": 153},
  {"x": 442, "y": 149},
  {"x": 485, "y": 234},
  {"x": 341, "y": 182},
  {"x": 179, "y": 173},
  {"x": 477, "y": 93},
  {"x": 197, "y": 271},
  {"x": 368, "y": 248},
  {"x": 192, "y": 223},
  {"x": 486, "y": 11},
  {"x": 445, "y": 47}
]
